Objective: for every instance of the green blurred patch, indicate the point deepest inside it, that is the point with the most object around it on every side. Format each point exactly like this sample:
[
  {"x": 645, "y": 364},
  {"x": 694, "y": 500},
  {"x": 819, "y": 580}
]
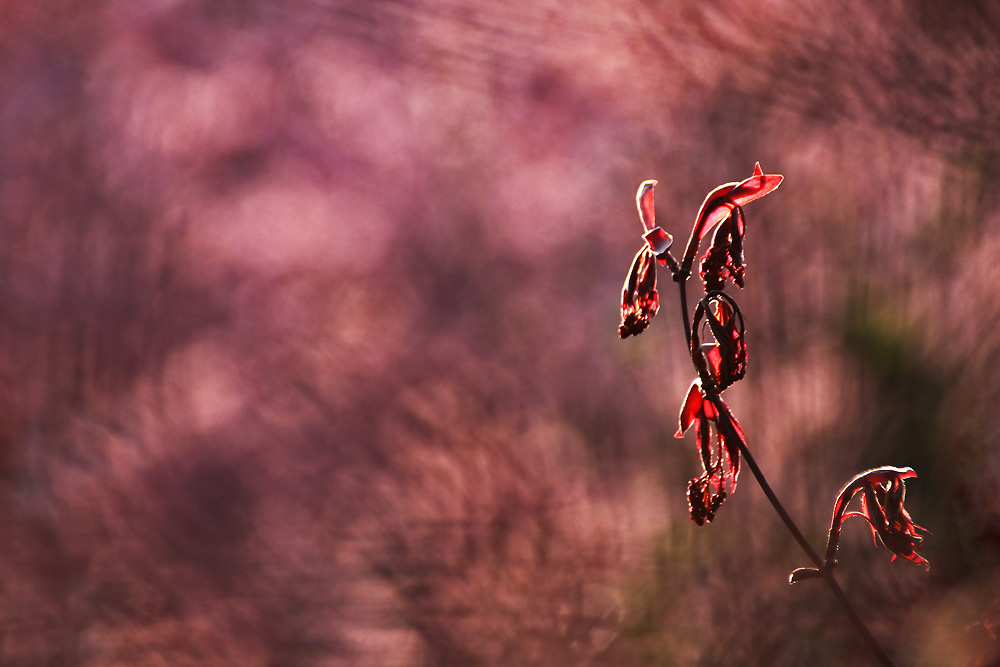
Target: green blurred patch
[{"x": 907, "y": 417}]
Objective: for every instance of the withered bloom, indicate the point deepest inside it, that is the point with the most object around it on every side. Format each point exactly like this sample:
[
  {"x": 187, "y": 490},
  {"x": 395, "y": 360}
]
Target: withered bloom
[
  {"x": 720, "y": 204},
  {"x": 722, "y": 466},
  {"x": 722, "y": 363},
  {"x": 724, "y": 258},
  {"x": 639, "y": 298},
  {"x": 882, "y": 493}
]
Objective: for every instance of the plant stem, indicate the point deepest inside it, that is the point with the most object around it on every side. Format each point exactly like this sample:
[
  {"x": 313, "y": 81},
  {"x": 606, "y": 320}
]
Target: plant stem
[
  {"x": 680, "y": 276},
  {"x": 682, "y": 282},
  {"x": 827, "y": 574}
]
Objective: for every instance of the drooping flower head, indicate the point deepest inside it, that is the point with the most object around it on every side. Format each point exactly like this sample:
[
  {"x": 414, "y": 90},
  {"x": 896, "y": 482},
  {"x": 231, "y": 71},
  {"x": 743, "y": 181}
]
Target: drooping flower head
[
  {"x": 882, "y": 497},
  {"x": 724, "y": 258},
  {"x": 722, "y": 363},
  {"x": 639, "y": 298},
  {"x": 882, "y": 493},
  {"x": 721, "y": 464},
  {"x": 724, "y": 204},
  {"x": 640, "y": 301}
]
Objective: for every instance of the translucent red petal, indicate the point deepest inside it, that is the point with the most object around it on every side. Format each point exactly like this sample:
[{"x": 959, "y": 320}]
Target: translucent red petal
[
  {"x": 721, "y": 201},
  {"x": 644, "y": 202},
  {"x": 692, "y": 406}
]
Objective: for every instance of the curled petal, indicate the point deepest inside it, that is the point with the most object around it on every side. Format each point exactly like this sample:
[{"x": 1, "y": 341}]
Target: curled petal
[
  {"x": 722, "y": 201},
  {"x": 639, "y": 301},
  {"x": 691, "y": 408},
  {"x": 696, "y": 410},
  {"x": 644, "y": 202},
  {"x": 803, "y": 573},
  {"x": 883, "y": 475},
  {"x": 754, "y": 187},
  {"x": 658, "y": 240}
]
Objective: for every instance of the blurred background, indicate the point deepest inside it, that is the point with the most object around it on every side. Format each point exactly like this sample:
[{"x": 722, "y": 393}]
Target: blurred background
[{"x": 308, "y": 329}]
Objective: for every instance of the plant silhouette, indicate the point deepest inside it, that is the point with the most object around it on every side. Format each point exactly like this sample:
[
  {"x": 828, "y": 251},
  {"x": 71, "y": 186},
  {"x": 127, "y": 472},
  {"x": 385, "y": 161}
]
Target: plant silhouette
[{"x": 716, "y": 337}]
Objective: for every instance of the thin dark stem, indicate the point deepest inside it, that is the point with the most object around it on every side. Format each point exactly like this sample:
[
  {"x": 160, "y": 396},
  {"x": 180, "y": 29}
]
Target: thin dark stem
[
  {"x": 684, "y": 307},
  {"x": 778, "y": 507},
  {"x": 680, "y": 276},
  {"x": 827, "y": 574},
  {"x": 858, "y": 622}
]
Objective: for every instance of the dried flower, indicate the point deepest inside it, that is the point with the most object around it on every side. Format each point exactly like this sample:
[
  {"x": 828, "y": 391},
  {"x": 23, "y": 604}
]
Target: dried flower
[
  {"x": 724, "y": 258},
  {"x": 639, "y": 298},
  {"x": 640, "y": 301},
  {"x": 722, "y": 363},
  {"x": 720, "y": 204},
  {"x": 883, "y": 491},
  {"x": 721, "y": 467}
]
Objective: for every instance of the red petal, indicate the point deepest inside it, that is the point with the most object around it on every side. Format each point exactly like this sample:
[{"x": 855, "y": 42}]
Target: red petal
[
  {"x": 885, "y": 474},
  {"x": 644, "y": 202},
  {"x": 731, "y": 436},
  {"x": 714, "y": 210},
  {"x": 658, "y": 240},
  {"x": 740, "y": 227},
  {"x": 755, "y": 187},
  {"x": 714, "y": 360},
  {"x": 720, "y": 202},
  {"x": 692, "y": 406},
  {"x": 711, "y": 412}
]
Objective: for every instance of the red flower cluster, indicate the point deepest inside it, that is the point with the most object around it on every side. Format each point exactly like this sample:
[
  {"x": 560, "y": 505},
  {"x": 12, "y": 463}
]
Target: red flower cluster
[
  {"x": 722, "y": 466},
  {"x": 724, "y": 258},
  {"x": 719, "y": 363},
  {"x": 882, "y": 493},
  {"x": 716, "y": 337},
  {"x": 723, "y": 261},
  {"x": 882, "y": 496}
]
